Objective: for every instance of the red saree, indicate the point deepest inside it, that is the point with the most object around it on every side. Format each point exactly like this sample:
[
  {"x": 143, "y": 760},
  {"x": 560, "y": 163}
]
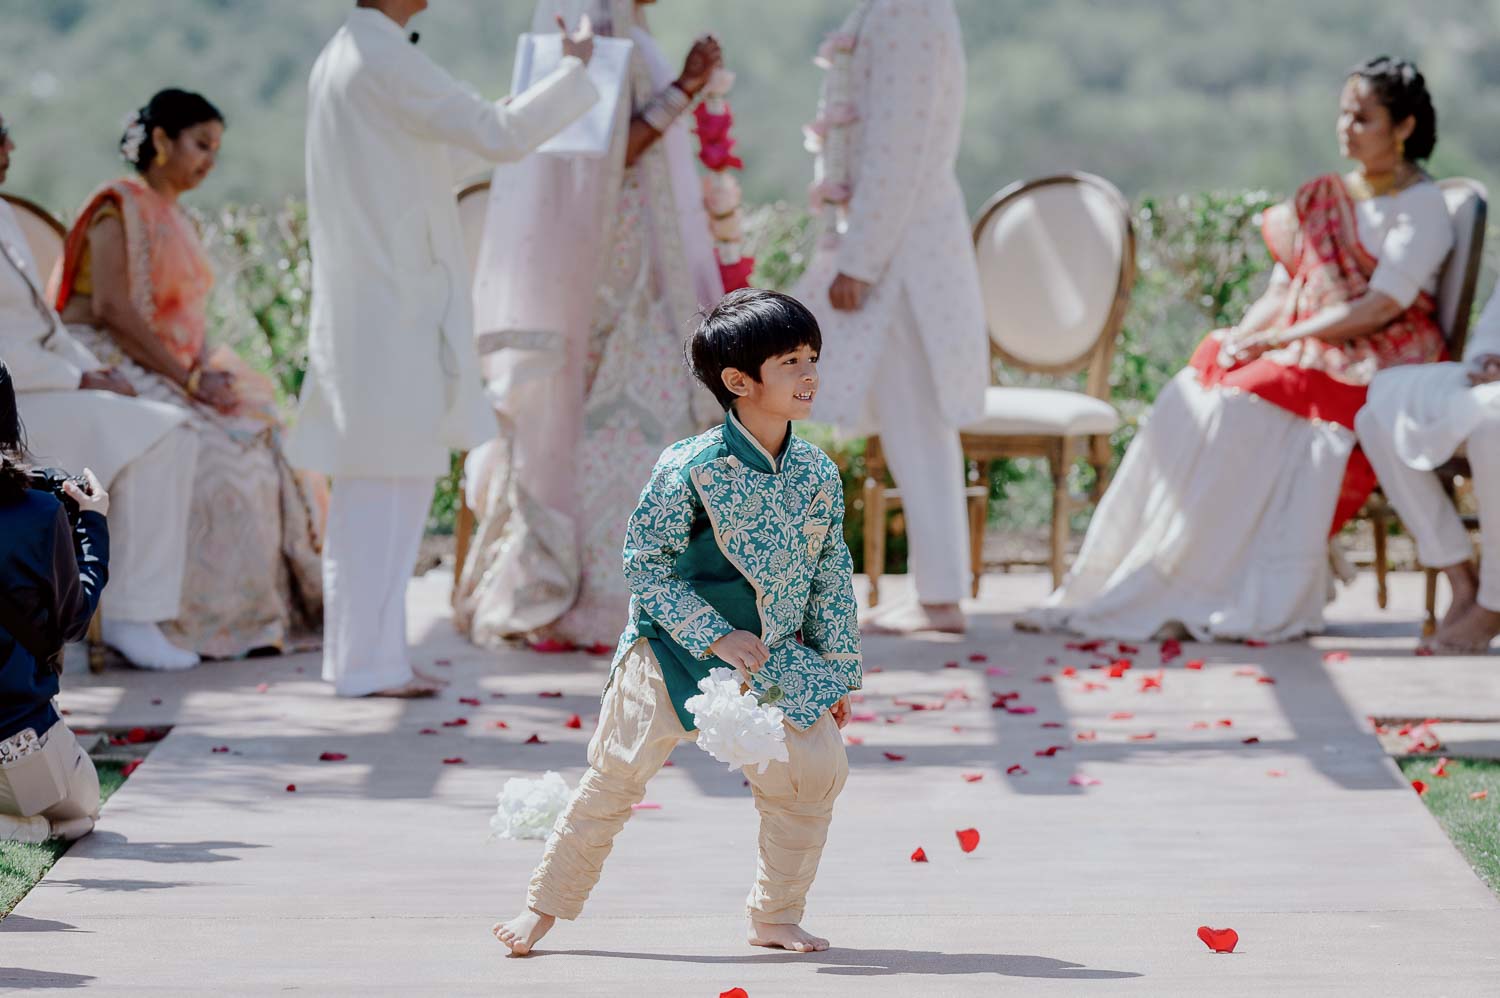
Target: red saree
[{"x": 1315, "y": 237}]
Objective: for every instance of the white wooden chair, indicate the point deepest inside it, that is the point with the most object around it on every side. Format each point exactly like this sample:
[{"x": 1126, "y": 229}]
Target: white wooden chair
[
  {"x": 473, "y": 204},
  {"x": 1056, "y": 262},
  {"x": 1468, "y": 208}
]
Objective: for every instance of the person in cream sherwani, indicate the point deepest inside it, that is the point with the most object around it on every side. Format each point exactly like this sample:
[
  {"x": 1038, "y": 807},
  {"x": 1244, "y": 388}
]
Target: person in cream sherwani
[
  {"x": 393, "y": 380},
  {"x": 894, "y": 284}
]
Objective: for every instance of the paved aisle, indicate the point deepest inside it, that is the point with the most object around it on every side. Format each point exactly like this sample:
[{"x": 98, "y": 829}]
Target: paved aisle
[{"x": 375, "y": 876}]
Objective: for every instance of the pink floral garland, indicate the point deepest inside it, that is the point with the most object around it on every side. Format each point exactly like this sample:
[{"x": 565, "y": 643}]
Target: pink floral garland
[{"x": 721, "y": 191}]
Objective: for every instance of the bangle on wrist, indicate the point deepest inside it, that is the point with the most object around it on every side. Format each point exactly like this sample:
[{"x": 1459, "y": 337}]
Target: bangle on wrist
[
  {"x": 194, "y": 380},
  {"x": 665, "y": 107}
]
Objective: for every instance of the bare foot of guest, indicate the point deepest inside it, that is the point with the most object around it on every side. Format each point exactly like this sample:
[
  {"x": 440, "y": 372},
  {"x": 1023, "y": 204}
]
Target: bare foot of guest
[
  {"x": 1470, "y": 634},
  {"x": 1463, "y": 583},
  {"x": 413, "y": 689},
  {"x": 524, "y": 931},
  {"x": 913, "y": 618},
  {"x": 792, "y": 938}
]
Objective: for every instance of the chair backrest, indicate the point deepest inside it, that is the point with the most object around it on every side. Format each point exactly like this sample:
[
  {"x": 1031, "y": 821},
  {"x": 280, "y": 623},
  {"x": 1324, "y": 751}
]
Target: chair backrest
[
  {"x": 473, "y": 204},
  {"x": 45, "y": 235},
  {"x": 1056, "y": 265},
  {"x": 1468, "y": 205}
]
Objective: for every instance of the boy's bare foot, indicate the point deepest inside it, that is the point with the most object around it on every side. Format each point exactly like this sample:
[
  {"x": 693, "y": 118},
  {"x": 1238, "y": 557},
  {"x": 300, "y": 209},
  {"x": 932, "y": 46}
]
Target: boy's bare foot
[
  {"x": 792, "y": 938},
  {"x": 413, "y": 689},
  {"x": 1470, "y": 634},
  {"x": 944, "y": 618},
  {"x": 524, "y": 931}
]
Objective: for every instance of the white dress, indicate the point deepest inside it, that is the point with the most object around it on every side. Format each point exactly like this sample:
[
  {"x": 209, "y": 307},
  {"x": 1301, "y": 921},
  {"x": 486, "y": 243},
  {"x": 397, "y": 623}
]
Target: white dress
[{"x": 1218, "y": 518}]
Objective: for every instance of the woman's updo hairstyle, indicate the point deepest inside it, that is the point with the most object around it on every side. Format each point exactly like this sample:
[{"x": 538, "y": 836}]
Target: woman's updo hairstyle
[
  {"x": 1399, "y": 86},
  {"x": 172, "y": 111}
]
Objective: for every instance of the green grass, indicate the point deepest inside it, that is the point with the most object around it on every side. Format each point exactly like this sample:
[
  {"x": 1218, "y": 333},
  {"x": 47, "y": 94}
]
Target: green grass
[
  {"x": 1473, "y": 825},
  {"x": 22, "y": 865}
]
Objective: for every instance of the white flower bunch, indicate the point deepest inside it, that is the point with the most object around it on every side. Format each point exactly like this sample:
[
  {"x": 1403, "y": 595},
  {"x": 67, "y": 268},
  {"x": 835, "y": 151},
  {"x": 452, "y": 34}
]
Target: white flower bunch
[
  {"x": 529, "y": 808},
  {"x": 135, "y": 135},
  {"x": 733, "y": 727}
]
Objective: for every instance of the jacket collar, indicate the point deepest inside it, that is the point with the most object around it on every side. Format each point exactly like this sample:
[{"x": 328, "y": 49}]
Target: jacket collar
[
  {"x": 368, "y": 18},
  {"x": 743, "y": 445}
]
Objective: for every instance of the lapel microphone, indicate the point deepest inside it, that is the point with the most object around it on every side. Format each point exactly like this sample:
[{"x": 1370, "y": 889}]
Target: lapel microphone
[{"x": 414, "y": 37}]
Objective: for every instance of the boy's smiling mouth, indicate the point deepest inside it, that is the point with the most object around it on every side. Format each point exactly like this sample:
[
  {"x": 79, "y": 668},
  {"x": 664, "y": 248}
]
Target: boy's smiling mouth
[{"x": 806, "y": 396}]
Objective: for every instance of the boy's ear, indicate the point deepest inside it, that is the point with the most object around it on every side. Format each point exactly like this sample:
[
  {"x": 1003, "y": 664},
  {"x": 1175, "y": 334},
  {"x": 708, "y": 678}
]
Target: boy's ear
[{"x": 736, "y": 381}]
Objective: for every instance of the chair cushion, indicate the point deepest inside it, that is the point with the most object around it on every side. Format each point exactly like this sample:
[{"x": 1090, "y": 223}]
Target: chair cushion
[{"x": 1013, "y": 412}]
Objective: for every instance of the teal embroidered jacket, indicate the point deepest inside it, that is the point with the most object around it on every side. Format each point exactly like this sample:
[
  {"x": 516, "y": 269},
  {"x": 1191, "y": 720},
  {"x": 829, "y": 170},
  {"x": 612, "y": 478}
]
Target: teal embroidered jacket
[{"x": 728, "y": 537}]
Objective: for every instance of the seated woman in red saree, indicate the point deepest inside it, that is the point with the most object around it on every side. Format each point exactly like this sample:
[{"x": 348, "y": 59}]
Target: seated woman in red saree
[
  {"x": 134, "y": 289},
  {"x": 1216, "y": 525}
]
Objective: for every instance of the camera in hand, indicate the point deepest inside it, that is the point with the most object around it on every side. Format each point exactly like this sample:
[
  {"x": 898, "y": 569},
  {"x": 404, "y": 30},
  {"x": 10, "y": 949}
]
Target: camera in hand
[{"x": 52, "y": 480}]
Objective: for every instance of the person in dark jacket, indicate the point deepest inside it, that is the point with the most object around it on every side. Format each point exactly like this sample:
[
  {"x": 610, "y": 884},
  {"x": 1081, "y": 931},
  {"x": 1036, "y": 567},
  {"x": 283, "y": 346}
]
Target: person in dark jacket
[{"x": 53, "y": 567}]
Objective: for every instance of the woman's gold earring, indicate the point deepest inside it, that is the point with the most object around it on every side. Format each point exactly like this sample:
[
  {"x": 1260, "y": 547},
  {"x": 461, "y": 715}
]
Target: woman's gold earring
[
  {"x": 1400, "y": 147},
  {"x": 161, "y": 157}
]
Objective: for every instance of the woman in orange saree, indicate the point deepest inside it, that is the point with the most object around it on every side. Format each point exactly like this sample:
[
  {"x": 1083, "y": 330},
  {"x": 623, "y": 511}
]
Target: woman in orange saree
[
  {"x": 1216, "y": 525},
  {"x": 134, "y": 288}
]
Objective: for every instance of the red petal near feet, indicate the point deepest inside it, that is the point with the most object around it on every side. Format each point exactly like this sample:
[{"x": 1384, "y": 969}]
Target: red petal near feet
[
  {"x": 453, "y": 760},
  {"x": 332, "y": 757},
  {"x": 262, "y": 687},
  {"x": 130, "y": 767},
  {"x": 950, "y": 665},
  {"x": 1268, "y": 680},
  {"x": 979, "y": 657},
  {"x": 1334, "y": 657},
  {"x": 1219, "y": 940},
  {"x": 1275, "y": 772},
  {"x": 1087, "y": 736},
  {"x": 457, "y": 722},
  {"x": 1121, "y": 715},
  {"x": 1051, "y": 724},
  {"x": 1016, "y": 770},
  {"x": 895, "y": 756},
  {"x": 968, "y": 839},
  {"x": 428, "y": 731},
  {"x": 550, "y": 694},
  {"x": 1252, "y": 740},
  {"x": 1199, "y": 725},
  {"x": 1144, "y": 737},
  {"x": 1118, "y": 669},
  {"x": 853, "y": 740},
  {"x": 1254, "y": 643},
  {"x": 291, "y": 788},
  {"x": 535, "y": 740},
  {"x": 734, "y": 993},
  {"x": 471, "y": 701},
  {"x": 1196, "y": 665},
  {"x": 574, "y": 722},
  {"x": 1479, "y": 795},
  {"x": 1069, "y": 672},
  {"x": 972, "y": 777},
  {"x": 1419, "y": 786},
  {"x": 920, "y": 856},
  {"x": 493, "y": 724},
  {"x": 1051, "y": 750}
]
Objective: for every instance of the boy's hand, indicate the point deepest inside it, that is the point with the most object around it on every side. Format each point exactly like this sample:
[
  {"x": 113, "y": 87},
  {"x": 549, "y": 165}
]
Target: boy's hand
[
  {"x": 742, "y": 650},
  {"x": 841, "y": 712}
]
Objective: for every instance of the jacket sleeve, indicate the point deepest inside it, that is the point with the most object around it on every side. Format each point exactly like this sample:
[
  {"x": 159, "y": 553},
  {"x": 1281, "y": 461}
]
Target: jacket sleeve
[
  {"x": 831, "y": 624},
  {"x": 433, "y": 105},
  {"x": 79, "y": 571},
  {"x": 35, "y": 368},
  {"x": 906, "y": 46},
  {"x": 658, "y": 531}
]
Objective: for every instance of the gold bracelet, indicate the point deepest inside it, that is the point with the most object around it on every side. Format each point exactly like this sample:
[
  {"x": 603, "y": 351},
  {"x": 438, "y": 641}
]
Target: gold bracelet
[{"x": 194, "y": 380}]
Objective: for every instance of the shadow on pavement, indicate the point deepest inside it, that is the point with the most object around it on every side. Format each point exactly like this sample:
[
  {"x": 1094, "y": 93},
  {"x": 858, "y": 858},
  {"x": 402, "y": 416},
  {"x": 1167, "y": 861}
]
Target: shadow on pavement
[{"x": 846, "y": 962}]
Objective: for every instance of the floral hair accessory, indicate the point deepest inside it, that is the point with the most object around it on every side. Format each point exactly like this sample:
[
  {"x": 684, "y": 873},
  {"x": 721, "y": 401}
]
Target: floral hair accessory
[{"x": 134, "y": 137}]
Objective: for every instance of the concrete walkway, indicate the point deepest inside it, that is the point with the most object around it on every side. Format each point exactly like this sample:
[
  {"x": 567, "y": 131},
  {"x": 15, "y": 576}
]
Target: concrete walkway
[{"x": 208, "y": 877}]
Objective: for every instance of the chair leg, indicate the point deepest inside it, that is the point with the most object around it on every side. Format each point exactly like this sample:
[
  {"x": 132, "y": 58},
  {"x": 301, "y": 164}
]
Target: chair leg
[
  {"x": 1430, "y": 623},
  {"x": 1382, "y": 565},
  {"x": 1058, "y": 462},
  {"x": 875, "y": 519},
  {"x": 978, "y": 515},
  {"x": 95, "y": 644}
]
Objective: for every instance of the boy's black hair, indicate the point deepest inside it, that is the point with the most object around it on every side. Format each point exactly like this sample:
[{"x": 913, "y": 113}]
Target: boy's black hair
[{"x": 746, "y": 329}]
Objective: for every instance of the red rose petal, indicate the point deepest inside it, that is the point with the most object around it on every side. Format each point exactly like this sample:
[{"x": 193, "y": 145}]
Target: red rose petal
[
  {"x": 1198, "y": 725},
  {"x": 646, "y": 805},
  {"x": 219, "y": 749},
  {"x": 332, "y": 757},
  {"x": 1195, "y": 664},
  {"x": 1052, "y": 724},
  {"x": 1050, "y": 750},
  {"x": 1091, "y": 687},
  {"x": 550, "y": 694},
  {"x": 863, "y": 718},
  {"x": 493, "y": 724},
  {"x": 895, "y": 756},
  {"x": 734, "y": 993},
  {"x": 972, "y": 777},
  {"x": 575, "y": 722},
  {"x": 291, "y": 788},
  {"x": 853, "y": 740},
  {"x": 920, "y": 856},
  {"x": 876, "y": 668},
  {"x": 1016, "y": 770},
  {"x": 457, "y": 722},
  {"x": 1125, "y": 649},
  {"x": 1069, "y": 672},
  {"x": 1042, "y": 679},
  {"x": 428, "y": 731},
  {"x": 497, "y": 696},
  {"x": 892, "y": 720},
  {"x": 130, "y": 767},
  {"x": 1149, "y": 683},
  {"x": 979, "y": 656},
  {"x": 996, "y": 670},
  {"x": 455, "y": 760},
  {"x": 1087, "y": 736},
  {"x": 968, "y": 839},
  {"x": 1441, "y": 769},
  {"x": 262, "y": 687},
  {"x": 1147, "y": 736},
  {"x": 1275, "y": 772},
  {"x": 1219, "y": 940},
  {"x": 1267, "y": 680},
  {"x": 1079, "y": 780},
  {"x": 1225, "y": 722},
  {"x": 1093, "y": 645},
  {"x": 1254, "y": 643},
  {"x": 950, "y": 665},
  {"x": 471, "y": 701},
  {"x": 1121, "y": 715},
  {"x": 1335, "y": 657},
  {"x": 1118, "y": 669},
  {"x": 1020, "y": 709},
  {"x": 535, "y": 740},
  {"x": 1248, "y": 670},
  {"x": 1479, "y": 795},
  {"x": 1419, "y": 786},
  {"x": 1252, "y": 740}
]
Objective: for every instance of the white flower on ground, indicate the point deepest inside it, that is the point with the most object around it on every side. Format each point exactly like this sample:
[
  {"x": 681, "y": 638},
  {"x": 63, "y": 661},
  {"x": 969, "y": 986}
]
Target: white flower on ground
[
  {"x": 529, "y": 808},
  {"x": 733, "y": 727}
]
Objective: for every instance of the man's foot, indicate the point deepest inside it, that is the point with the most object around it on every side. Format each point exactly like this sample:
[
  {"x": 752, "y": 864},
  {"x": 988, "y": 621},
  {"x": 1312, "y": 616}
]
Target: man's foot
[
  {"x": 792, "y": 938},
  {"x": 913, "y": 618},
  {"x": 413, "y": 689},
  {"x": 1463, "y": 583},
  {"x": 144, "y": 646},
  {"x": 1470, "y": 634},
  {"x": 72, "y": 829},
  {"x": 524, "y": 931}
]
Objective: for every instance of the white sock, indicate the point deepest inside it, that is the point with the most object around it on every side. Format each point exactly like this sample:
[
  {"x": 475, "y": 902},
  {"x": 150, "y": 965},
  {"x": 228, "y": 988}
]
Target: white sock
[{"x": 145, "y": 646}]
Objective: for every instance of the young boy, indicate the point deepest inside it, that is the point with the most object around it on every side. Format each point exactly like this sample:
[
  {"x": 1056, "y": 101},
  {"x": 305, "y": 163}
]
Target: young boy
[{"x": 735, "y": 556}]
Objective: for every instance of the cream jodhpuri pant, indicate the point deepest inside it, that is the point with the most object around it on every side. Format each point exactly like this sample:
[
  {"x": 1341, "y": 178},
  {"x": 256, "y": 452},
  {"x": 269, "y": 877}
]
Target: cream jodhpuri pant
[
  {"x": 80, "y": 799},
  {"x": 149, "y": 502},
  {"x": 638, "y": 729},
  {"x": 1428, "y": 513},
  {"x": 927, "y": 462},
  {"x": 374, "y": 534}
]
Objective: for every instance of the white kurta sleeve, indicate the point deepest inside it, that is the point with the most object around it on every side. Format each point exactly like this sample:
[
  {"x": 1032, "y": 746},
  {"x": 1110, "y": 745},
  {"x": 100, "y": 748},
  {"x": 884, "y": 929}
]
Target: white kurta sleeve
[
  {"x": 905, "y": 45},
  {"x": 1413, "y": 249},
  {"x": 34, "y": 368},
  {"x": 435, "y": 106}
]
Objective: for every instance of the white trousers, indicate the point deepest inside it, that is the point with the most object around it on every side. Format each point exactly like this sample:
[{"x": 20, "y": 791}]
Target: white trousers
[
  {"x": 1426, "y": 510},
  {"x": 375, "y": 530},
  {"x": 149, "y": 503},
  {"x": 927, "y": 462}
]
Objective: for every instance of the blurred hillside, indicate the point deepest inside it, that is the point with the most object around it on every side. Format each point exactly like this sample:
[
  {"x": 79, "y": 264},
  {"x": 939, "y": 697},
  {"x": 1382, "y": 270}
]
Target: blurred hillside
[{"x": 1160, "y": 95}]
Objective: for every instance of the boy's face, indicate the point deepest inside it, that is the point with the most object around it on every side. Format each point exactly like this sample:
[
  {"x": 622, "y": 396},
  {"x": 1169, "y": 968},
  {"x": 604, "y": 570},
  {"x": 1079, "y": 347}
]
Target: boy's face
[{"x": 787, "y": 385}]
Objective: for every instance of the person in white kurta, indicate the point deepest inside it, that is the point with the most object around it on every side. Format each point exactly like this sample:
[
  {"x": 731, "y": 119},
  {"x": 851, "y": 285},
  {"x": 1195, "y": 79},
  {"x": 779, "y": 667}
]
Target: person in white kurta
[
  {"x": 393, "y": 381},
  {"x": 894, "y": 284},
  {"x": 1415, "y": 420},
  {"x": 77, "y": 415}
]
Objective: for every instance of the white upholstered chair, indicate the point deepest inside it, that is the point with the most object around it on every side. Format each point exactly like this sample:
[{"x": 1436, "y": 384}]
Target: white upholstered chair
[
  {"x": 1056, "y": 262},
  {"x": 1468, "y": 208},
  {"x": 473, "y": 204}
]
